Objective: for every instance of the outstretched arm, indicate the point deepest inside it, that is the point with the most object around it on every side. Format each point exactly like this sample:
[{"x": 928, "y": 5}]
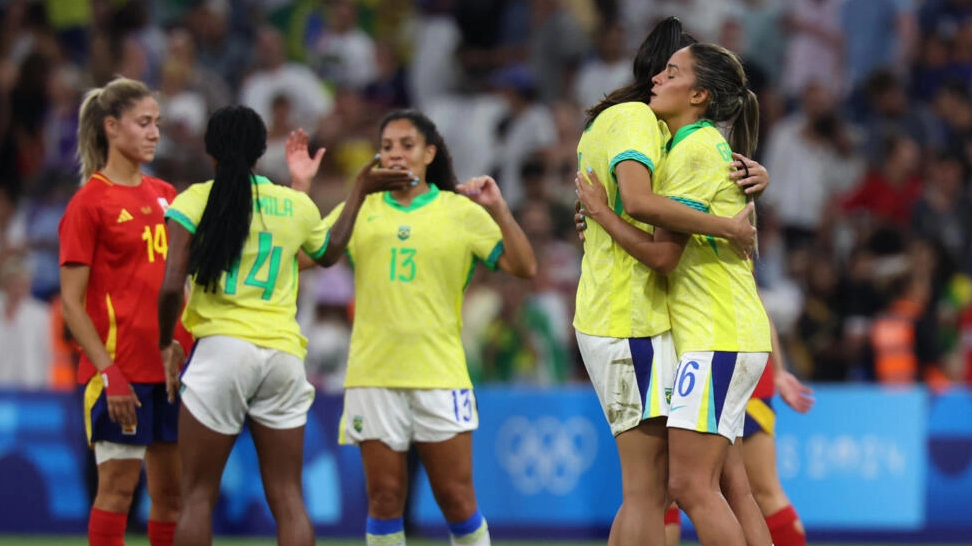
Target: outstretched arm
[
  {"x": 369, "y": 180},
  {"x": 518, "y": 258},
  {"x": 659, "y": 256},
  {"x": 642, "y": 204}
]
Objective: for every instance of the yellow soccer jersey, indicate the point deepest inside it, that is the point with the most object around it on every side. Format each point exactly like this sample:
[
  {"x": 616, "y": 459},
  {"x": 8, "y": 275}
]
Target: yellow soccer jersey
[
  {"x": 411, "y": 266},
  {"x": 712, "y": 293},
  {"x": 618, "y": 296},
  {"x": 257, "y": 300}
]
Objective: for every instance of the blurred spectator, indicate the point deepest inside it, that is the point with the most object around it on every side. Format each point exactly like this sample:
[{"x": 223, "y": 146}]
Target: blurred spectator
[
  {"x": 943, "y": 214},
  {"x": 556, "y": 48},
  {"x": 273, "y": 163},
  {"x": 891, "y": 187},
  {"x": 880, "y": 34},
  {"x": 344, "y": 54},
  {"x": 811, "y": 157},
  {"x": 953, "y": 106},
  {"x": 329, "y": 332},
  {"x": 274, "y": 76},
  {"x": 944, "y": 17},
  {"x": 61, "y": 119},
  {"x": 24, "y": 330},
  {"x": 606, "y": 71},
  {"x": 765, "y": 44},
  {"x": 703, "y": 19},
  {"x": 182, "y": 109},
  {"x": 527, "y": 128},
  {"x": 817, "y": 348},
  {"x": 886, "y": 110},
  {"x": 219, "y": 47},
  {"x": 202, "y": 80},
  {"x": 435, "y": 69},
  {"x": 815, "y": 49},
  {"x": 561, "y": 161},
  {"x": 44, "y": 205},
  {"x": 389, "y": 89},
  {"x": 348, "y": 132}
]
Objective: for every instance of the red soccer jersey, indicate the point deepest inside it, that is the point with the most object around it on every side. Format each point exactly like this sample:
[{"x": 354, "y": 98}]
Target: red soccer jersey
[
  {"x": 766, "y": 387},
  {"x": 119, "y": 232}
]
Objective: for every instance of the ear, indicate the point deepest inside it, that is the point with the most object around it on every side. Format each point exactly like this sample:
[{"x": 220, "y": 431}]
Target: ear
[
  {"x": 430, "y": 152},
  {"x": 699, "y": 97},
  {"x": 110, "y": 126}
]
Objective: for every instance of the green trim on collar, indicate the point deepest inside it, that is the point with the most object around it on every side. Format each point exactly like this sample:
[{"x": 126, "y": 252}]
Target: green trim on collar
[
  {"x": 684, "y": 132},
  {"x": 260, "y": 179},
  {"x": 418, "y": 202}
]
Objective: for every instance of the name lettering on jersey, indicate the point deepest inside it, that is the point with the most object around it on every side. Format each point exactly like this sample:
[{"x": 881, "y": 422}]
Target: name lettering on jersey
[
  {"x": 146, "y": 210},
  {"x": 125, "y": 216},
  {"x": 274, "y": 207},
  {"x": 164, "y": 203},
  {"x": 404, "y": 232}
]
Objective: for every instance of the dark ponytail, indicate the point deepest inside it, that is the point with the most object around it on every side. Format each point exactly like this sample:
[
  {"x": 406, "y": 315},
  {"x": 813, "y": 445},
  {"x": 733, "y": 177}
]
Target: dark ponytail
[
  {"x": 652, "y": 57},
  {"x": 440, "y": 172},
  {"x": 236, "y": 138}
]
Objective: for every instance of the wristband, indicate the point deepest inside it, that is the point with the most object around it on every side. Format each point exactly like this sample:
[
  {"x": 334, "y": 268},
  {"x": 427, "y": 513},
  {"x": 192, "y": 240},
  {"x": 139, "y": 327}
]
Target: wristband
[{"x": 115, "y": 382}]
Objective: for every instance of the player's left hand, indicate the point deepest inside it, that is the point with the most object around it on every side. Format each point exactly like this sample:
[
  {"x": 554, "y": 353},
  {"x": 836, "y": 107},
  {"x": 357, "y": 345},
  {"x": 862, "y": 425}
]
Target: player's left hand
[
  {"x": 173, "y": 357},
  {"x": 749, "y": 175},
  {"x": 796, "y": 395},
  {"x": 301, "y": 165},
  {"x": 482, "y": 190}
]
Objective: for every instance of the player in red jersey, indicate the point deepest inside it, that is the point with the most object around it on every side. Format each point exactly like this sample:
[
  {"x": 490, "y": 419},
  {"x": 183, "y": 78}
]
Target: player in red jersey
[
  {"x": 759, "y": 452},
  {"x": 112, "y": 255}
]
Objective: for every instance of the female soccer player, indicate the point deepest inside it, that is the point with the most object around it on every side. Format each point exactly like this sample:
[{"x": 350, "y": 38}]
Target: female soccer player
[
  {"x": 414, "y": 251},
  {"x": 622, "y": 320},
  {"x": 759, "y": 452},
  {"x": 238, "y": 237},
  {"x": 722, "y": 356},
  {"x": 113, "y": 252}
]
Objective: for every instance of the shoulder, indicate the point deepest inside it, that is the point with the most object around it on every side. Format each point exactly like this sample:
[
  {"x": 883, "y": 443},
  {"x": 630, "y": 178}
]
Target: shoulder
[
  {"x": 161, "y": 186},
  {"x": 629, "y": 110}
]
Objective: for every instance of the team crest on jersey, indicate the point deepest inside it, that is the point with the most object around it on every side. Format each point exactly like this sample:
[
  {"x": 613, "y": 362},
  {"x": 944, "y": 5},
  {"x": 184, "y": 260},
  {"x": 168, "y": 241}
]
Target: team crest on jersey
[
  {"x": 146, "y": 210},
  {"x": 358, "y": 423},
  {"x": 404, "y": 232},
  {"x": 164, "y": 203},
  {"x": 668, "y": 395}
]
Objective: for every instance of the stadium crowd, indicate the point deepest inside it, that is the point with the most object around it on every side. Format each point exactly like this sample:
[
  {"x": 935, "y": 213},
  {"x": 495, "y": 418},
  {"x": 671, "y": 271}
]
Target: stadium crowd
[{"x": 865, "y": 243}]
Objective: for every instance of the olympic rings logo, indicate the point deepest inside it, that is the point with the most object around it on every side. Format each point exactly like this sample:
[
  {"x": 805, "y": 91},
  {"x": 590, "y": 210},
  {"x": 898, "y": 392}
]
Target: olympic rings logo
[{"x": 546, "y": 454}]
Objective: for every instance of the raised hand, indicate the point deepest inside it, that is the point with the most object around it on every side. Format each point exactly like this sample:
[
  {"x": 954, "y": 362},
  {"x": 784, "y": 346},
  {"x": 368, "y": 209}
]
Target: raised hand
[
  {"x": 482, "y": 190},
  {"x": 371, "y": 179},
  {"x": 301, "y": 165}
]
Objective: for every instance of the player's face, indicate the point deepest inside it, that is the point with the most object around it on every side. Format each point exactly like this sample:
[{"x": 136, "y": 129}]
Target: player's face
[
  {"x": 674, "y": 87},
  {"x": 404, "y": 147},
  {"x": 136, "y": 133}
]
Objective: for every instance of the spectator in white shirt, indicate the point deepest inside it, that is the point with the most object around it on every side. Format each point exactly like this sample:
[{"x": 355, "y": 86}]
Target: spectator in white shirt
[{"x": 24, "y": 330}]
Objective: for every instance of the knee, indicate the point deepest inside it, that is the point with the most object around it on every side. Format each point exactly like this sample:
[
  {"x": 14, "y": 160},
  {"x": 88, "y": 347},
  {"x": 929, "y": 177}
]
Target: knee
[
  {"x": 457, "y": 501},
  {"x": 284, "y": 499},
  {"x": 386, "y": 501},
  {"x": 167, "y": 501},
  {"x": 685, "y": 489}
]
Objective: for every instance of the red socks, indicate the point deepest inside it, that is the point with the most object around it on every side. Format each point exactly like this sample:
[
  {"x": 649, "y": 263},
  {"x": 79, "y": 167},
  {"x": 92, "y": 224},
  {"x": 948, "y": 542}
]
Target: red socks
[
  {"x": 106, "y": 528},
  {"x": 673, "y": 516},
  {"x": 786, "y": 529},
  {"x": 161, "y": 533}
]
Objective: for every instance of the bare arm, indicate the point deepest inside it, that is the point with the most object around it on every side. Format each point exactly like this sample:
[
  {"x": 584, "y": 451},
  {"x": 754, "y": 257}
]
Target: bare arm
[
  {"x": 659, "y": 256},
  {"x": 518, "y": 258},
  {"x": 121, "y": 397},
  {"x": 642, "y": 204},
  {"x": 796, "y": 395},
  {"x": 74, "y": 287},
  {"x": 369, "y": 180}
]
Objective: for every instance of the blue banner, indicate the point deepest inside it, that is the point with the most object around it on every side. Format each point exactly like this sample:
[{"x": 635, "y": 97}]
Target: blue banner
[
  {"x": 864, "y": 460},
  {"x": 857, "y": 460}
]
